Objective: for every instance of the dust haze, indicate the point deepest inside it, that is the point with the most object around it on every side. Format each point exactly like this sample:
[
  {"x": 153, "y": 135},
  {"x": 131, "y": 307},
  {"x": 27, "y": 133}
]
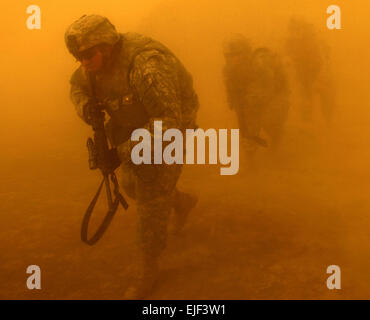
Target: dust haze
[{"x": 269, "y": 232}]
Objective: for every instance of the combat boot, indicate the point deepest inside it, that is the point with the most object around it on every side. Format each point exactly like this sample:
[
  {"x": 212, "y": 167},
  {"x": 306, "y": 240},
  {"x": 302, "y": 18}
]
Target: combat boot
[
  {"x": 145, "y": 280},
  {"x": 183, "y": 204}
]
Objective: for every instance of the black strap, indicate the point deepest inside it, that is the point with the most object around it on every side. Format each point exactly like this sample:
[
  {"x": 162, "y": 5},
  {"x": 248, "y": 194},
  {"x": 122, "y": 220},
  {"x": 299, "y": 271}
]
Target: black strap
[
  {"x": 118, "y": 195},
  {"x": 109, "y": 216}
]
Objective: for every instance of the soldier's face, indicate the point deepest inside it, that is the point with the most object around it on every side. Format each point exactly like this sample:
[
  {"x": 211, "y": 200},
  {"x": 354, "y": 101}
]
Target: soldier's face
[{"x": 91, "y": 59}]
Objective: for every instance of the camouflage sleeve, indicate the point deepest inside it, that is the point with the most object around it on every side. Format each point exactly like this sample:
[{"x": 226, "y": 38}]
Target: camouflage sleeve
[
  {"x": 154, "y": 80},
  {"x": 79, "y": 93}
]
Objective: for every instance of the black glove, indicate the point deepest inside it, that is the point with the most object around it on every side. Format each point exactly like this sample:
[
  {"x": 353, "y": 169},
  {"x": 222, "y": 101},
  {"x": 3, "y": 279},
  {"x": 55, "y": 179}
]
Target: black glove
[{"x": 92, "y": 111}]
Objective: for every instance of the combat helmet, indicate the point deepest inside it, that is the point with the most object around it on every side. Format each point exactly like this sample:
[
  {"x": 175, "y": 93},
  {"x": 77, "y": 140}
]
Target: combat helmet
[{"x": 89, "y": 31}]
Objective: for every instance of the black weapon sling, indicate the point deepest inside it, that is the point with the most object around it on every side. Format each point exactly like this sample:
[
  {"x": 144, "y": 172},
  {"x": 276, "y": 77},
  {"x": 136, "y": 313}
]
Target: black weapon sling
[{"x": 100, "y": 138}]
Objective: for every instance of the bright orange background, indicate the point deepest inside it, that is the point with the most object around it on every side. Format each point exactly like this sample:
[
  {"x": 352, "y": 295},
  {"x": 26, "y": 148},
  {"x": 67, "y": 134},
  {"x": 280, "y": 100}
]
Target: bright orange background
[{"x": 269, "y": 233}]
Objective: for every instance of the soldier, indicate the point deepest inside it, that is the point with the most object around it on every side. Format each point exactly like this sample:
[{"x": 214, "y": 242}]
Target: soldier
[
  {"x": 257, "y": 90},
  {"x": 310, "y": 61},
  {"x": 137, "y": 80}
]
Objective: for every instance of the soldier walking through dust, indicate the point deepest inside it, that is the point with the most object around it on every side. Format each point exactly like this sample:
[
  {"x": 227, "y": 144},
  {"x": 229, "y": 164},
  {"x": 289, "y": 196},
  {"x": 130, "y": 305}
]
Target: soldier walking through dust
[
  {"x": 310, "y": 61},
  {"x": 257, "y": 90},
  {"x": 137, "y": 81}
]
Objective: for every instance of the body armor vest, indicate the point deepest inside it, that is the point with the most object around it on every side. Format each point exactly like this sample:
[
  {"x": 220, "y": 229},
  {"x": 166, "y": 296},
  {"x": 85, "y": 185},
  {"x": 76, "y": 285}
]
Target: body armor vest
[{"x": 121, "y": 102}]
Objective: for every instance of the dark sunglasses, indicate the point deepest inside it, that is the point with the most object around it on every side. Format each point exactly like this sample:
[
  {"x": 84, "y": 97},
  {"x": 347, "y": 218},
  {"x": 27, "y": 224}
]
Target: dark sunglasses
[{"x": 86, "y": 54}]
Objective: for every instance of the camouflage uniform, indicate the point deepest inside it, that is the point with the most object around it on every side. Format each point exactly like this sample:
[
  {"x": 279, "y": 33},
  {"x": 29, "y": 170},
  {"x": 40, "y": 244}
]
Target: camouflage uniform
[
  {"x": 145, "y": 82},
  {"x": 256, "y": 88}
]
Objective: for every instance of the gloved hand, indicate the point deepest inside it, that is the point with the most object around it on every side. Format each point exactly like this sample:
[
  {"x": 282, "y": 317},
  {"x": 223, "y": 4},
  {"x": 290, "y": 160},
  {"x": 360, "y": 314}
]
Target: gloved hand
[{"x": 92, "y": 111}]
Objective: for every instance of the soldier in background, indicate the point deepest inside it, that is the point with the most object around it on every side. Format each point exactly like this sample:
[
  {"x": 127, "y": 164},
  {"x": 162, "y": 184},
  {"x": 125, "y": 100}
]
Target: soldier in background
[
  {"x": 310, "y": 60},
  {"x": 257, "y": 90},
  {"x": 138, "y": 80}
]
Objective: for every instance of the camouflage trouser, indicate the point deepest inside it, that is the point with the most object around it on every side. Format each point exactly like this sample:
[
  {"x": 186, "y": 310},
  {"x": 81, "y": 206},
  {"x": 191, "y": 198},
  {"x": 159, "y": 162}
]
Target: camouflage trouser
[
  {"x": 275, "y": 118},
  {"x": 153, "y": 187},
  {"x": 249, "y": 120}
]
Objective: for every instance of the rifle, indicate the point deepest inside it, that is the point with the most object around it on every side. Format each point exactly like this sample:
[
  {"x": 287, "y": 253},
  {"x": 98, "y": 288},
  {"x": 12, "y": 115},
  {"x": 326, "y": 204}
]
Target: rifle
[
  {"x": 258, "y": 140},
  {"x": 99, "y": 158}
]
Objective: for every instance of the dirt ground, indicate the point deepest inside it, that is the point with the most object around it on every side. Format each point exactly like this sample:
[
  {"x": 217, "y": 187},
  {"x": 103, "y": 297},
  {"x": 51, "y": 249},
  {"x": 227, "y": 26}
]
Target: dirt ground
[{"x": 269, "y": 232}]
